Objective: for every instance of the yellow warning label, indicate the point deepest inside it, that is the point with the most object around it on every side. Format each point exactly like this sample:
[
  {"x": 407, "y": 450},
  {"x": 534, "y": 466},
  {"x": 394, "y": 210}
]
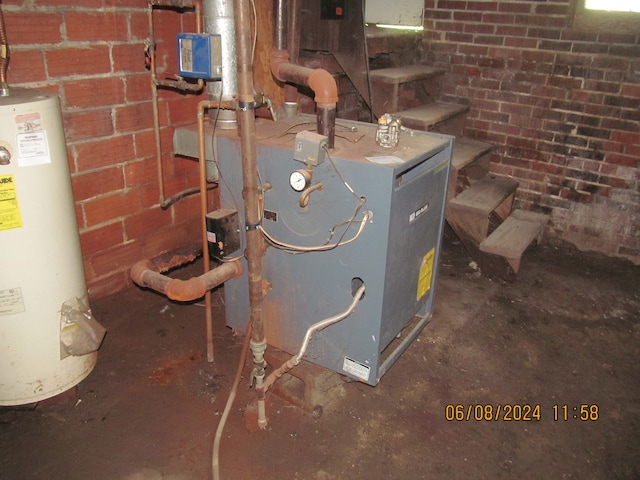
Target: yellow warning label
[
  {"x": 9, "y": 210},
  {"x": 426, "y": 271}
]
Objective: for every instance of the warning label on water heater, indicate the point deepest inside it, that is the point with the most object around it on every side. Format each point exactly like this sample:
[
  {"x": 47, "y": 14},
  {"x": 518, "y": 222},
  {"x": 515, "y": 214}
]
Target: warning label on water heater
[
  {"x": 11, "y": 301},
  {"x": 9, "y": 210}
]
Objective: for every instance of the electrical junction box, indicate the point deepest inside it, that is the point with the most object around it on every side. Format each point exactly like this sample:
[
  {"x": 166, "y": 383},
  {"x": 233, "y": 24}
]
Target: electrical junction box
[
  {"x": 309, "y": 147},
  {"x": 200, "y": 55},
  {"x": 223, "y": 232},
  {"x": 393, "y": 250}
]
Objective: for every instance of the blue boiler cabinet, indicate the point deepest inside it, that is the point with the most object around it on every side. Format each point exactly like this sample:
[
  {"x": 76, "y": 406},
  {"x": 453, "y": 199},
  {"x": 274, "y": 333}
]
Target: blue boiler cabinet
[{"x": 358, "y": 213}]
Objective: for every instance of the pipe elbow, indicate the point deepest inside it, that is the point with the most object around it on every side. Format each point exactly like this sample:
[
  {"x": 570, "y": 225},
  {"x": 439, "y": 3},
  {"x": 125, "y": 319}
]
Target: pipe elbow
[
  {"x": 138, "y": 271},
  {"x": 277, "y": 58},
  {"x": 324, "y": 86},
  {"x": 185, "y": 290}
]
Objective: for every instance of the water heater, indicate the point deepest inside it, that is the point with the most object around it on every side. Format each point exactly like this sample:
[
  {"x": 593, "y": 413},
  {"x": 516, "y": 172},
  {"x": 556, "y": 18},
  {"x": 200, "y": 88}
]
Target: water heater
[
  {"x": 334, "y": 219},
  {"x": 40, "y": 259}
]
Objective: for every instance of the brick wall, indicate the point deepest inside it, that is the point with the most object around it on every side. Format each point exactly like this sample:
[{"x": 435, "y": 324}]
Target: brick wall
[
  {"x": 562, "y": 106},
  {"x": 91, "y": 54}
]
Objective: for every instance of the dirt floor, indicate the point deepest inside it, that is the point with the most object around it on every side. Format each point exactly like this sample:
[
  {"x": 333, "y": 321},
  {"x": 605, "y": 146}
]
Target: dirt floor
[{"x": 561, "y": 343}]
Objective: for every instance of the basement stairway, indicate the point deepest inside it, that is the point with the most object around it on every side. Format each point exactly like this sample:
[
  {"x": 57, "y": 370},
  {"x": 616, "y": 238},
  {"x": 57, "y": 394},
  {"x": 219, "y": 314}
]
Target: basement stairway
[{"x": 479, "y": 204}]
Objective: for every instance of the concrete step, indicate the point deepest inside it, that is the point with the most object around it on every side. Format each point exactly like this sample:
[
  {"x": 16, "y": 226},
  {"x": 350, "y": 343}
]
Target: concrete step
[
  {"x": 405, "y": 74},
  {"x": 467, "y": 150},
  {"x": 484, "y": 196},
  {"x": 427, "y": 117},
  {"x": 515, "y": 234}
]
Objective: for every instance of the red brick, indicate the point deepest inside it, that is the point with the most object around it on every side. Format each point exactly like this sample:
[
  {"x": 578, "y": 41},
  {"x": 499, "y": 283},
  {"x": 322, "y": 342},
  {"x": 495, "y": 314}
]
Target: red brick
[
  {"x": 104, "y": 152},
  {"x": 110, "y": 207},
  {"x": 92, "y": 184},
  {"x": 171, "y": 238},
  {"x": 150, "y": 220},
  {"x": 95, "y": 92},
  {"x": 33, "y": 28},
  {"x": 624, "y": 160},
  {"x": 107, "y": 285},
  {"x": 134, "y": 117},
  {"x": 83, "y": 125},
  {"x": 101, "y": 238},
  {"x": 139, "y": 23},
  {"x": 99, "y": 26},
  {"x": 78, "y": 61},
  {"x": 141, "y": 172},
  {"x": 68, "y": 3},
  {"x": 138, "y": 87},
  {"x": 128, "y": 58},
  {"x": 145, "y": 144},
  {"x": 26, "y": 66},
  {"x": 120, "y": 257}
]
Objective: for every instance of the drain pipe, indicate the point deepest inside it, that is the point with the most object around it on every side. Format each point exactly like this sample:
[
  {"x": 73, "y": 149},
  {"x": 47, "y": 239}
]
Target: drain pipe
[
  {"x": 250, "y": 192},
  {"x": 4, "y": 58},
  {"x": 318, "y": 79}
]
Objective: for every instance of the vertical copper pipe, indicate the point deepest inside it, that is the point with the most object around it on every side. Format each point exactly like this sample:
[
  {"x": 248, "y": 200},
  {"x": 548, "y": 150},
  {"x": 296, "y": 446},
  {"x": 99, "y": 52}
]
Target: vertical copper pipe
[{"x": 250, "y": 192}]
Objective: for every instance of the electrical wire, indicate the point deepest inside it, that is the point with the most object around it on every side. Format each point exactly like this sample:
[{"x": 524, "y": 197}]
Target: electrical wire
[{"x": 215, "y": 457}]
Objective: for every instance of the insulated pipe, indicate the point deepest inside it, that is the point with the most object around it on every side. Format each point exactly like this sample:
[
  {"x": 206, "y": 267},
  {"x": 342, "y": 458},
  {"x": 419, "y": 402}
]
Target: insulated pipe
[{"x": 4, "y": 58}]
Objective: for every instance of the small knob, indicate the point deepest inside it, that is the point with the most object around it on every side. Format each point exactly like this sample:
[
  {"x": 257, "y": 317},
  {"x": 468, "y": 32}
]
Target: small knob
[{"x": 5, "y": 156}]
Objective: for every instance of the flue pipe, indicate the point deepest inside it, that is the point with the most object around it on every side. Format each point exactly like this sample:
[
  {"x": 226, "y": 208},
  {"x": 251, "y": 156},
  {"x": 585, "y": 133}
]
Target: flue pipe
[
  {"x": 4, "y": 58},
  {"x": 250, "y": 192},
  {"x": 318, "y": 79}
]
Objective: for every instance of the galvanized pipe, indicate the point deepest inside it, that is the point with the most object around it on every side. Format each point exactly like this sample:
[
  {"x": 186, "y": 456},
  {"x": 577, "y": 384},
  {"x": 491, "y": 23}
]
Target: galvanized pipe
[{"x": 219, "y": 20}]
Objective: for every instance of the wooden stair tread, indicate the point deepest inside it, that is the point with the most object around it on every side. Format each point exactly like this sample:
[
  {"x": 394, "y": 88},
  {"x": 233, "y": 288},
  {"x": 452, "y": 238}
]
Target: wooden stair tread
[
  {"x": 467, "y": 150},
  {"x": 485, "y": 195},
  {"x": 405, "y": 74},
  {"x": 426, "y": 116},
  {"x": 515, "y": 234}
]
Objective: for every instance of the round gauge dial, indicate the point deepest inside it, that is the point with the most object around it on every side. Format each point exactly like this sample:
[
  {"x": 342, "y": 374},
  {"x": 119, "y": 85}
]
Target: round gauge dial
[{"x": 299, "y": 180}]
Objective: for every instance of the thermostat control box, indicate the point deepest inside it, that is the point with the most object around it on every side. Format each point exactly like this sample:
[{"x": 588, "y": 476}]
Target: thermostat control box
[{"x": 200, "y": 55}]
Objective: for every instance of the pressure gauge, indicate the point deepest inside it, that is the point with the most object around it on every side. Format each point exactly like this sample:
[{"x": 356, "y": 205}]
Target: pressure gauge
[{"x": 299, "y": 180}]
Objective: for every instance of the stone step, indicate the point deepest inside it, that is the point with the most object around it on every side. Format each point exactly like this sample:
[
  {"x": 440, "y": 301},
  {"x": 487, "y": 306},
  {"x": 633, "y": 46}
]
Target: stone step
[
  {"x": 426, "y": 117},
  {"x": 515, "y": 234},
  {"x": 405, "y": 74},
  {"x": 484, "y": 196},
  {"x": 467, "y": 150}
]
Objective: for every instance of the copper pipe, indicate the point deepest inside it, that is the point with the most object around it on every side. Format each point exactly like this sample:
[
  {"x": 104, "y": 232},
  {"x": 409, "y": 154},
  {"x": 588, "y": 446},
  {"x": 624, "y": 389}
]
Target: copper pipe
[
  {"x": 177, "y": 84},
  {"x": 4, "y": 58}
]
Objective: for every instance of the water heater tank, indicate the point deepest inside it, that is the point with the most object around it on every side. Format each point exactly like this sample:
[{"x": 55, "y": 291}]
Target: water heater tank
[{"x": 41, "y": 264}]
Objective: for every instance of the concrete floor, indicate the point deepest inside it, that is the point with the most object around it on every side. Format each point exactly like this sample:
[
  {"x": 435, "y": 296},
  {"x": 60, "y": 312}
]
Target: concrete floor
[{"x": 566, "y": 333}]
